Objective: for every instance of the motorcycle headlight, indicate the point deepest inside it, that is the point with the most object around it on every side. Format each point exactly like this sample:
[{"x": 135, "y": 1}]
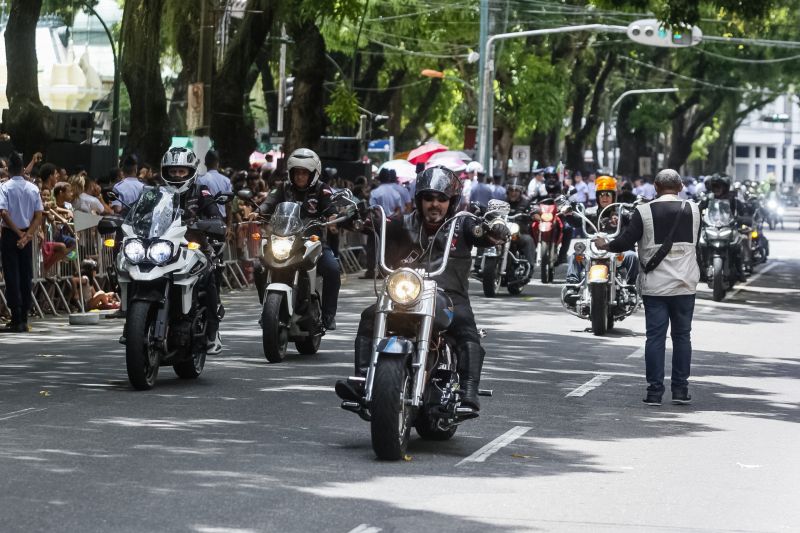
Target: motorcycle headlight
[
  {"x": 281, "y": 247},
  {"x": 772, "y": 204},
  {"x": 134, "y": 251},
  {"x": 159, "y": 252},
  {"x": 547, "y": 217},
  {"x": 712, "y": 233},
  {"x": 404, "y": 286},
  {"x": 513, "y": 228},
  {"x": 780, "y": 210},
  {"x": 725, "y": 233}
]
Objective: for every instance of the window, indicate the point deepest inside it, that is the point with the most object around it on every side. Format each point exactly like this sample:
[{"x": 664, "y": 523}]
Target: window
[
  {"x": 770, "y": 169},
  {"x": 797, "y": 153},
  {"x": 758, "y": 172},
  {"x": 771, "y": 152},
  {"x": 743, "y": 171},
  {"x": 744, "y": 151},
  {"x": 758, "y": 153}
]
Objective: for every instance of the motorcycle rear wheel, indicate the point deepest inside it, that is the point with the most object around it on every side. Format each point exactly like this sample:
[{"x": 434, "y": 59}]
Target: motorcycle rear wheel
[
  {"x": 427, "y": 429},
  {"x": 275, "y": 337},
  {"x": 308, "y": 345},
  {"x": 490, "y": 277},
  {"x": 598, "y": 309},
  {"x": 391, "y": 411},
  {"x": 192, "y": 368},
  {"x": 718, "y": 283},
  {"x": 140, "y": 358}
]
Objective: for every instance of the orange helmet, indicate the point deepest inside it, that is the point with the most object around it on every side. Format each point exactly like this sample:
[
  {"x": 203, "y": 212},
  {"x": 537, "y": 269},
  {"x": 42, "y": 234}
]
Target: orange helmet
[{"x": 605, "y": 183}]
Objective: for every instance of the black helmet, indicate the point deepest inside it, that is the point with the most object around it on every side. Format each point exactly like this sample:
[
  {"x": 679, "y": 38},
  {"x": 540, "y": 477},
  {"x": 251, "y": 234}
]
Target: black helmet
[
  {"x": 550, "y": 172},
  {"x": 718, "y": 179},
  {"x": 442, "y": 180},
  {"x": 552, "y": 186},
  {"x": 515, "y": 184}
]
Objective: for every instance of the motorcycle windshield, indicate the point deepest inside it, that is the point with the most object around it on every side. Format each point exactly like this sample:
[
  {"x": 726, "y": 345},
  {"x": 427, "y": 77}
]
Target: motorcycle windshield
[
  {"x": 286, "y": 219},
  {"x": 154, "y": 213},
  {"x": 718, "y": 213}
]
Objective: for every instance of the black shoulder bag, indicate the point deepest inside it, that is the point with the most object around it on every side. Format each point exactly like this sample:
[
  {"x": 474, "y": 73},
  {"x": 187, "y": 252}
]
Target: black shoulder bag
[{"x": 666, "y": 246}]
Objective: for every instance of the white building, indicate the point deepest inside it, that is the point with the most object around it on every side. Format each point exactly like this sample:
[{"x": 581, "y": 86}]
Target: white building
[{"x": 763, "y": 147}]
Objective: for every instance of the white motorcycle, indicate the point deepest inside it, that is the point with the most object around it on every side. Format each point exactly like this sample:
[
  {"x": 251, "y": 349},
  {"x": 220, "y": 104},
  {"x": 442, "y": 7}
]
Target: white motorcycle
[{"x": 158, "y": 272}]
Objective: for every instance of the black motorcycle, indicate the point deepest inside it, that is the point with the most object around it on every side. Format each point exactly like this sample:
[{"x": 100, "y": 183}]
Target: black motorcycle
[
  {"x": 719, "y": 240},
  {"x": 504, "y": 265}
]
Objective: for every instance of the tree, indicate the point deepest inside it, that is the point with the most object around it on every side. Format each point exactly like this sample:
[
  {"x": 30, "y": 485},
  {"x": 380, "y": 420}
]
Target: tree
[{"x": 149, "y": 134}]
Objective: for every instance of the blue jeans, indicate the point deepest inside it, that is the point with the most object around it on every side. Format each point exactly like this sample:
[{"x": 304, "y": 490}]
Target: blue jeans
[
  {"x": 659, "y": 313},
  {"x": 328, "y": 268}
]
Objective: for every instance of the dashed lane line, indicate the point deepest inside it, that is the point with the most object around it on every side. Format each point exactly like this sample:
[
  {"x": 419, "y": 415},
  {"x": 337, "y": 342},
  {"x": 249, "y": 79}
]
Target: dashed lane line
[
  {"x": 500, "y": 442},
  {"x": 365, "y": 528},
  {"x": 589, "y": 386},
  {"x": 21, "y": 412}
]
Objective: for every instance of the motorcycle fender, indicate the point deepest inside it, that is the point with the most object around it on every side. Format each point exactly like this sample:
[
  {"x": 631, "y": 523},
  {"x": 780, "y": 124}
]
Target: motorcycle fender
[
  {"x": 149, "y": 292},
  {"x": 288, "y": 305},
  {"x": 598, "y": 274},
  {"x": 395, "y": 346},
  {"x": 187, "y": 291},
  {"x": 312, "y": 252}
]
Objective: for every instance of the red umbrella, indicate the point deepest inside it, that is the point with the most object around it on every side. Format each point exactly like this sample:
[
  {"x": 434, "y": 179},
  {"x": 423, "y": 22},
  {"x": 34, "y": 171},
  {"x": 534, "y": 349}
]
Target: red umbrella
[{"x": 422, "y": 153}]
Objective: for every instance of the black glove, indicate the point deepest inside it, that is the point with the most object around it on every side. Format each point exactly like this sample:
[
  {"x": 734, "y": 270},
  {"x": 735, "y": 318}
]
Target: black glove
[{"x": 499, "y": 232}]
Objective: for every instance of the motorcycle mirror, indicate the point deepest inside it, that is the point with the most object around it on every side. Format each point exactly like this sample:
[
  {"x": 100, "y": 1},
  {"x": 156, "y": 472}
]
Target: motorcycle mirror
[
  {"x": 571, "y": 191},
  {"x": 109, "y": 224},
  {"x": 245, "y": 194},
  {"x": 342, "y": 194},
  {"x": 224, "y": 197}
]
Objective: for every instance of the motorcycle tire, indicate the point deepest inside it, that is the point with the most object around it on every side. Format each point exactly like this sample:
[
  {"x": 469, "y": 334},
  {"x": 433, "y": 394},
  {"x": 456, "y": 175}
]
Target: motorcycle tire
[
  {"x": 308, "y": 345},
  {"x": 516, "y": 289},
  {"x": 391, "y": 411},
  {"x": 427, "y": 429},
  {"x": 192, "y": 368},
  {"x": 274, "y": 336},
  {"x": 547, "y": 275},
  {"x": 718, "y": 283},
  {"x": 610, "y": 323},
  {"x": 141, "y": 360},
  {"x": 490, "y": 277},
  {"x": 598, "y": 308}
]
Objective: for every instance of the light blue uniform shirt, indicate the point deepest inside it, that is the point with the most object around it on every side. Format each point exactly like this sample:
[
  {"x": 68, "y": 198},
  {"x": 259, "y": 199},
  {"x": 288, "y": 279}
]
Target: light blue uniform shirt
[
  {"x": 388, "y": 198},
  {"x": 21, "y": 199},
  {"x": 405, "y": 194},
  {"x": 499, "y": 192},
  {"x": 581, "y": 193},
  {"x": 216, "y": 184},
  {"x": 480, "y": 193},
  {"x": 128, "y": 190}
]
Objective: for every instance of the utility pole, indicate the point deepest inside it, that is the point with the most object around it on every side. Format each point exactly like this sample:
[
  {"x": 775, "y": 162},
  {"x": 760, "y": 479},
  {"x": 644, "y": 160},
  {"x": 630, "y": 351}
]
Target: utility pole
[
  {"x": 282, "y": 81},
  {"x": 484, "y": 36}
]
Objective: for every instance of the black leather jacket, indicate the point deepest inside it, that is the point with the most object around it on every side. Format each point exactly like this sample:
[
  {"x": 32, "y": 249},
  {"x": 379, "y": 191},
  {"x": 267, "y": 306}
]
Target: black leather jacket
[{"x": 315, "y": 202}]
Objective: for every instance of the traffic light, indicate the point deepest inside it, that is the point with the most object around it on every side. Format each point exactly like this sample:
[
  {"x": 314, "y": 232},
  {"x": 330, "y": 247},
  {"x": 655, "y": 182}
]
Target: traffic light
[
  {"x": 288, "y": 89},
  {"x": 652, "y": 33}
]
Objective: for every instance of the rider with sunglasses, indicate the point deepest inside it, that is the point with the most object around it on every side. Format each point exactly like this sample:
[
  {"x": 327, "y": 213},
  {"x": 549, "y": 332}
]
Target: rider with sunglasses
[{"x": 437, "y": 197}]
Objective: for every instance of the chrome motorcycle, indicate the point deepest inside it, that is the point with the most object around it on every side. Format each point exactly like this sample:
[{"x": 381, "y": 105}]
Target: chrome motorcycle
[{"x": 502, "y": 266}]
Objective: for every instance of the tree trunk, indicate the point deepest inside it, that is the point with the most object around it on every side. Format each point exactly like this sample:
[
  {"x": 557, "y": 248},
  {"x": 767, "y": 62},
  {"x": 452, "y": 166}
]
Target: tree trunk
[
  {"x": 630, "y": 144},
  {"x": 187, "y": 44},
  {"x": 231, "y": 127},
  {"x": 149, "y": 135},
  {"x": 27, "y": 120},
  {"x": 307, "y": 116},
  {"x": 411, "y": 133}
]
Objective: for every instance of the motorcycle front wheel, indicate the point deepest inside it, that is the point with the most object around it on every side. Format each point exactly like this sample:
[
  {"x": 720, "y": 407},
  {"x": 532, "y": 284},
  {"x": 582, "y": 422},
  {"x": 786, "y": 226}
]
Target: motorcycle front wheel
[
  {"x": 428, "y": 429},
  {"x": 718, "y": 284},
  {"x": 547, "y": 275},
  {"x": 490, "y": 277},
  {"x": 598, "y": 308},
  {"x": 391, "y": 411},
  {"x": 274, "y": 336},
  {"x": 140, "y": 357},
  {"x": 308, "y": 345}
]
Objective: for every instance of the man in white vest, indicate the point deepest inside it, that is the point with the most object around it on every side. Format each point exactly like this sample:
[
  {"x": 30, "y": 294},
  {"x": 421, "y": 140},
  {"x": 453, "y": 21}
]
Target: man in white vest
[{"x": 666, "y": 231}]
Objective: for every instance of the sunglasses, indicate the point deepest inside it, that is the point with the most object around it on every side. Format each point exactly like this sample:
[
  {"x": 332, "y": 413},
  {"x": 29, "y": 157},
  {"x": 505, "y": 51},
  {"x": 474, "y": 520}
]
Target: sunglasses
[
  {"x": 434, "y": 197},
  {"x": 605, "y": 193}
]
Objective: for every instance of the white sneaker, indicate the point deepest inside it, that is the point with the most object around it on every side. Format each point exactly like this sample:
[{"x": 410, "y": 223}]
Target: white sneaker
[{"x": 214, "y": 347}]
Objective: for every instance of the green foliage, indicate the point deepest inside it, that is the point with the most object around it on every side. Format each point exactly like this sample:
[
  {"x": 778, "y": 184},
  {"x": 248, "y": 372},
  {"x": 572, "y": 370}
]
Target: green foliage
[
  {"x": 708, "y": 136},
  {"x": 343, "y": 110},
  {"x": 689, "y": 12}
]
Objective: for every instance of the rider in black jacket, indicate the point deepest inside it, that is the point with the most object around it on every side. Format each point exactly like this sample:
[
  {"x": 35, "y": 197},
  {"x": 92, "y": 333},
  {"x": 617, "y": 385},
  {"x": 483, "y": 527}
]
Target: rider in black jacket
[
  {"x": 521, "y": 205},
  {"x": 718, "y": 186},
  {"x": 437, "y": 197},
  {"x": 305, "y": 188}
]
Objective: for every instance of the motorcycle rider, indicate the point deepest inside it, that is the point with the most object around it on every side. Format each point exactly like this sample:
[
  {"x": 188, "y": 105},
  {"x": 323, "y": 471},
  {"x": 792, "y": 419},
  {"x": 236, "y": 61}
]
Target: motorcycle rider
[
  {"x": 554, "y": 189},
  {"x": 436, "y": 199},
  {"x": 305, "y": 188},
  {"x": 521, "y": 205},
  {"x": 179, "y": 170},
  {"x": 606, "y": 188},
  {"x": 718, "y": 186}
]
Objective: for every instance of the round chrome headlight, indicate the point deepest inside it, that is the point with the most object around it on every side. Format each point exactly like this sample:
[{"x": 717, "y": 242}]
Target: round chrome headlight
[
  {"x": 281, "y": 247},
  {"x": 159, "y": 252},
  {"x": 513, "y": 228},
  {"x": 772, "y": 204},
  {"x": 134, "y": 251},
  {"x": 404, "y": 286}
]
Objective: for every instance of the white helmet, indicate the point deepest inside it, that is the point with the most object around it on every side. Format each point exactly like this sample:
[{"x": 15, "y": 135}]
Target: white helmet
[
  {"x": 179, "y": 157},
  {"x": 307, "y": 159},
  {"x": 474, "y": 166}
]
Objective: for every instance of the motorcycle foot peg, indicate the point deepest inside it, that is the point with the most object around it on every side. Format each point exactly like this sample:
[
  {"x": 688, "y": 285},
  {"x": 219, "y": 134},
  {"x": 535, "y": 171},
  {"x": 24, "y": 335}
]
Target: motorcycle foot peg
[
  {"x": 356, "y": 379},
  {"x": 465, "y": 413},
  {"x": 355, "y": 407},
  {"x": 123, "y": 340},
  {"x": 485, "y": 392}
]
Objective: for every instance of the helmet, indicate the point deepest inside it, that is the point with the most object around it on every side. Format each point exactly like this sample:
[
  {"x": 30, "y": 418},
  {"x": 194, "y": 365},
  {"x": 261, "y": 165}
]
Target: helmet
[
  {"x": 552, "y": 186},
  {"x": 439, "y": 179},
  {"x": 550, "y": 172},
  {"x": 605, "y": 183},
  {"x": 307, "y": 159},
  {"x": 179, "y": 157},
  {"x": 515, "y": 184},
  {"x": 474, "y": 166},
  {"x": 718, "y": 179}
]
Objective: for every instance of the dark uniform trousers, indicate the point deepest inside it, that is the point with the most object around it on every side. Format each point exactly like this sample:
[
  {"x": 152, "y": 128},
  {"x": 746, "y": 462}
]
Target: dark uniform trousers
[{"x": 18, "y": 274}]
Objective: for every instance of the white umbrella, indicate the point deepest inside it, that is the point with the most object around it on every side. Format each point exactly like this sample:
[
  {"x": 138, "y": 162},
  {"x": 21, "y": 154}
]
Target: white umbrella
[
  {"x": 454, "y": 164},
  {"x": 450, "y": 154},
  {"x": 405, "y": 171}
]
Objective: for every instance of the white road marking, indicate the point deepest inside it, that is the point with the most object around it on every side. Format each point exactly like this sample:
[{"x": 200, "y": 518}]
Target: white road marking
[
  {"x": 365, "y": 528},
  {"x": 636, "y": 354},
  {"x": 14, "y": 414},
  {"x": 500, "y": 442},
  {"x": 589, "y": 386}
]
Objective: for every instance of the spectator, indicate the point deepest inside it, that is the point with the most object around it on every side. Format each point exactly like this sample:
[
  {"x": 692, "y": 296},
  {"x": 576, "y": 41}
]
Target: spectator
[
  {"x": 48, "y": 173},
  {"x": 480, "y": 192},
  {"x": 92, "y": 298},
  {"x": 21, "y": 213},
  {"x": 129, "y": 189},
  {"x": 215, "y": 181},
  {"x": 91, "y": 201},
  {"x": 536, "y": 187},
  {"x": 592, "y": 189},
  {"x": 666, "y": 231},
  {"x": 498, "y": 192}
]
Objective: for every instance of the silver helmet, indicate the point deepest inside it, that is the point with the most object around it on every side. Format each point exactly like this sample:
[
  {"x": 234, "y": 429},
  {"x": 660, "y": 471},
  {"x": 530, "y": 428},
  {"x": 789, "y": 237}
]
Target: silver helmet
[
  {"x": 183, "y": 158},
  {"x": 307, "y": 159}
]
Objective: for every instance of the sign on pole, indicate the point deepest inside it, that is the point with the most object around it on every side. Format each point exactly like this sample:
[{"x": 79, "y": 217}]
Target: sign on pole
[
  {"x": 521, "y": 157},
  {"x": 194, "y": 109}
]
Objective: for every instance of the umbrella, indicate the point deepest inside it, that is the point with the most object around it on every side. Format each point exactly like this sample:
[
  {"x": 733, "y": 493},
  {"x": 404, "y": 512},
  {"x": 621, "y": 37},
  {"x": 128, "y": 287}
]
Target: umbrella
[
  {"x": 451, "y": 154},
  {"x": 454, "y": 164},
  {"x": 405, "y": 171},
  {"x": 422, "y": 153},
  {"x": 257, "y": 159}
]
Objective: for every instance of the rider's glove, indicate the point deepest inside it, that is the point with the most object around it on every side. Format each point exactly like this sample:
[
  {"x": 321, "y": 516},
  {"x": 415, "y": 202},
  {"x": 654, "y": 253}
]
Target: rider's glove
[{"x": 498, "y": 231}]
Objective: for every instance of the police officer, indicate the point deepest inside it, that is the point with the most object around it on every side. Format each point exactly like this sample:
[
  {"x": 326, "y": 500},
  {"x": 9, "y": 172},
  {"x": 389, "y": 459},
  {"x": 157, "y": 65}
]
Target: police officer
[
  {"x": 129, "y": 189},
  {"x": 21, "y": 212},
  {"x": 305, "y": 188}
]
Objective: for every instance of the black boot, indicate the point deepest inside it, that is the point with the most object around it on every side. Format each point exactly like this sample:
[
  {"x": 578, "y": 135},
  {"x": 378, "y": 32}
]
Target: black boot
[
  {"x": 354, "y": 392},
  {"x": 470, "y": 362}
]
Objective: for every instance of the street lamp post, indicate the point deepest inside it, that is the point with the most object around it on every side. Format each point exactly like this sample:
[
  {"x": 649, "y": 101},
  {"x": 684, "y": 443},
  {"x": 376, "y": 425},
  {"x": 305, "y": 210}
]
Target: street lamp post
[{"x": 610, "y": 113}]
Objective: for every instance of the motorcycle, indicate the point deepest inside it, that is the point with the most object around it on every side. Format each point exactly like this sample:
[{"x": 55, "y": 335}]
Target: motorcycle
[
  {"x": 774, "y": 213},
  {"x": 501, "y": 266},
  {"x": 718, "y": 240},
  {"x": 548, "y": 232},
  {"x": 412, "y": 378},
  {"x": 158, "y": 272},
  {"x": 603, "y": 296},
  {"x": 292, "y": 309}
]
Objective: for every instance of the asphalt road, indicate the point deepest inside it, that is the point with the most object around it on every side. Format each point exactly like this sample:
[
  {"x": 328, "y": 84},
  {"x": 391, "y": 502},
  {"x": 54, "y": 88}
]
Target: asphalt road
[{"x": 565, "y": 444}]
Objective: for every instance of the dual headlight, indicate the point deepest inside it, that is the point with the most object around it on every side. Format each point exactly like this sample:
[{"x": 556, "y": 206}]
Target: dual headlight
[
  {"x": 719, "y": 233},
  {"x": 404, "y": 286},
  {"x": 281, "y": 247},
  {"x": 513, "y": 228},
  {"x": 158, "y": 252}
]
